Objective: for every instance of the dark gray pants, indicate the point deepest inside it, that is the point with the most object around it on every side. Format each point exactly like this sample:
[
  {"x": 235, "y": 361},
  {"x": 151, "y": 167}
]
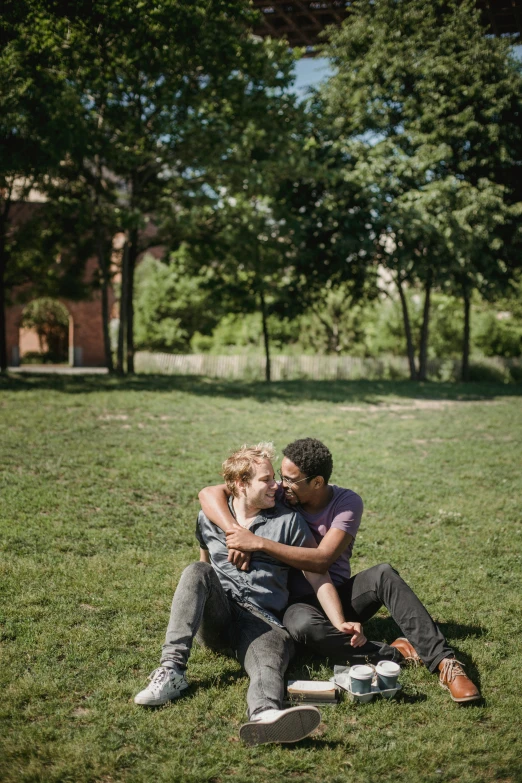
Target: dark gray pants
[
  {"x": 202, "y": 610},
  {"x": 362, "y": 596}
]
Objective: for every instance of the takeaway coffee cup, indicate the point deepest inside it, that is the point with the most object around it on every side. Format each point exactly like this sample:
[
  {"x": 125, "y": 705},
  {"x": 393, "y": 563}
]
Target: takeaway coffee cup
[
  {"x": 361, "y": 678},
  {"x": 387, "y": 674}
]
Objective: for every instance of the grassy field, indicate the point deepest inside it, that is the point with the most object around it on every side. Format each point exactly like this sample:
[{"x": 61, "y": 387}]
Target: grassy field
[{"x": 99, "y": 483}]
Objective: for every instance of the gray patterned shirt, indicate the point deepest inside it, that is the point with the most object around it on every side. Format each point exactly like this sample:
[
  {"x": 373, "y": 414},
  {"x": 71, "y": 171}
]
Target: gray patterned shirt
[{"x": 264, "y": 586}]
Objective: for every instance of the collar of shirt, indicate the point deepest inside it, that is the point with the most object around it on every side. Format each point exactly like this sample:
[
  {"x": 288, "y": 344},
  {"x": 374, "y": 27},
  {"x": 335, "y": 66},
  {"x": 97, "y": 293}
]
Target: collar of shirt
[{"x": 265, "y": 514}]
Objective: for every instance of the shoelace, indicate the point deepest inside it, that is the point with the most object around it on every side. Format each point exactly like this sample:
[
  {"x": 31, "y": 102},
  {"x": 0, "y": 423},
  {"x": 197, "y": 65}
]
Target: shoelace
[
  {"x": 158, "y": 677},
  {"x": 451, "y": 669}
]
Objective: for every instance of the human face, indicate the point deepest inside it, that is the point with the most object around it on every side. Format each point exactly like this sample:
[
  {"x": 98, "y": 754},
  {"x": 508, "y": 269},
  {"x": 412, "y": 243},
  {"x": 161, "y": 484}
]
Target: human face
[
  {"x": 296, "y": 492},
  {"x": 260, "y": 493}
]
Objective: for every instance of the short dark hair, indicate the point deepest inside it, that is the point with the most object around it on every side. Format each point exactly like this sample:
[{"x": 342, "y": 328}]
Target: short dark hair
[{"x": 311, "y": 457}]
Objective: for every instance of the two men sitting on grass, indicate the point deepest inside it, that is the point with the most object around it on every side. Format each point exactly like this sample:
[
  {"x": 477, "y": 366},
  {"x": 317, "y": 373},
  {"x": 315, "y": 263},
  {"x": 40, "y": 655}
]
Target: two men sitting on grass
[
  {"x": 225, "y": 608},
  {"x": 249, "y": 605},
  {"x": 334, "y": 515}
]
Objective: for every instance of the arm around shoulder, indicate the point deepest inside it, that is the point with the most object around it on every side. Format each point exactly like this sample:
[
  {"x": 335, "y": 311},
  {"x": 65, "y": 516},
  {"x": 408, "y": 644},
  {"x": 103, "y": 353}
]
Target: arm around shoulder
[{"x": 214, "y": 504}]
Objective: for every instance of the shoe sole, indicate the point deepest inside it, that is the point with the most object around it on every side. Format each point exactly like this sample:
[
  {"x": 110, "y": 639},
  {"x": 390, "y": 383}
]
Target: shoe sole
[
  {"x": 464, "y": 699},
  {"x": 293, "y": 725},
  {"x": 160, "y": 702}
]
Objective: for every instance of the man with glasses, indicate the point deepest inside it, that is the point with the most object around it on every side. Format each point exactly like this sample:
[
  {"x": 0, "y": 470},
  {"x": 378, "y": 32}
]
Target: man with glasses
[{"x": 334, "y": 515}]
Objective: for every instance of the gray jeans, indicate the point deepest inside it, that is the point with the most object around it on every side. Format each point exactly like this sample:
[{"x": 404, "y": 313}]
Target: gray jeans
[{"x": 201, "y": 609}]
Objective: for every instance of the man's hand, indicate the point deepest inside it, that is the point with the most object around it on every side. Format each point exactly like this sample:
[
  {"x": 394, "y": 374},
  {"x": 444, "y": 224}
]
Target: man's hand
[
  {"x": 356, "y": 632},
  {"x": 242, "y": 539},
  {"x": 240, "y": 559}
]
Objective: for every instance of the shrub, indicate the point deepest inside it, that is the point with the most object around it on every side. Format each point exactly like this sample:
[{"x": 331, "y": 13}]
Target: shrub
[{"x": 50, "y": 319}]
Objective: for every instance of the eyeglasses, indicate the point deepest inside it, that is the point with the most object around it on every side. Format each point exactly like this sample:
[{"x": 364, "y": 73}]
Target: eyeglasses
[{"x": 290, "y": 482}]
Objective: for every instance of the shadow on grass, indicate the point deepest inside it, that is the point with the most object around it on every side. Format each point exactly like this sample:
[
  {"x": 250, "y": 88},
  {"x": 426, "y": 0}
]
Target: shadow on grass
[
  {"x": 312, "y": 743},
  {"x": 224, "y": 680},
  {"x": 283, "y": 391},
  {"x": 410, "y": 698},
  {"x": 386, "y": 628}
]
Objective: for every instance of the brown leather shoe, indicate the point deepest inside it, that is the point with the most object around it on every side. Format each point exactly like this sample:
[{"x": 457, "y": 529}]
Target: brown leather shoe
[
  {"x": 408, "y": 651},
  {"x": 454, "y": 679}
]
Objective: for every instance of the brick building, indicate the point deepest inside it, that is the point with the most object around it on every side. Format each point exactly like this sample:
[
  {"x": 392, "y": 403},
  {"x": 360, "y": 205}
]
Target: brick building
[{"x": 85, "y": 326}]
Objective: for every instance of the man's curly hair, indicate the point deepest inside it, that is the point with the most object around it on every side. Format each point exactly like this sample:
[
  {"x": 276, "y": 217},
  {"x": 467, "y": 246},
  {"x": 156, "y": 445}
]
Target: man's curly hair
[{"x": 311, "y": 457}]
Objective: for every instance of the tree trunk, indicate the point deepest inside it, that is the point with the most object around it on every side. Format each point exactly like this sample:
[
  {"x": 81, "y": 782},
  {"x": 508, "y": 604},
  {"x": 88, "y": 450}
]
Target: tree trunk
[
  {"x": 131, "y": 266},
  {"x": 335, "y": 338},
  {"x": 407, "y": 329},
  {"x": 266, "y": 335},
  {"x": 259, "y": 283},
  {"x": 3, "y": 333},
  {"x": 466, "y": 335},
  {"x": 123, "y": 309},
  {"x": 102, "y": 261},
  {"x": 3, "y": 267},
  {"x": 331, "y": 342},
  {"x": 423, "y": 348}
]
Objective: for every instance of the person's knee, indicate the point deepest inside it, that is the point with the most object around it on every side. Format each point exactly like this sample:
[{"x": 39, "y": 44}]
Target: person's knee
[
  {"x": 273, "y": 654},
  {"x": 294, "y": 621},
  {"x": 304, "y": 627},
  {"x": 196, "y": 572},
  {"x": 385, "y": 571},
  {"x": 284, "y": 646}
]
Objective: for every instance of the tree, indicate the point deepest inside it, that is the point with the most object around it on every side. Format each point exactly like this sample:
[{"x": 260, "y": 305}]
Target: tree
[
  {"x": 482, "y": 257},
  {"x": 34, "y": 98},
  {"x": 239, "y": 248},
  {"x": 161, "y": 114},
  {"x": 147, "y": 117},
  {"x": 172, "y": 304},
  {"x": 231, "y": 225},
  {"x": 327, "y": 219},
  {"x": 50, "y": 319},
  {"x": 421, "y": 103}
]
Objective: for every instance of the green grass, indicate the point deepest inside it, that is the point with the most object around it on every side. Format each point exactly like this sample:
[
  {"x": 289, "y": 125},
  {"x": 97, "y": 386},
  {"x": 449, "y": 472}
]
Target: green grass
[{"x": 99, "y": 483}]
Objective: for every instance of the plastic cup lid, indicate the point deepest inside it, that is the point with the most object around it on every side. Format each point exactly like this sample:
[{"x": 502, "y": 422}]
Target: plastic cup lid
[
  {"x": 388, "y": 668},
  {"x": 361, "y": 672}
]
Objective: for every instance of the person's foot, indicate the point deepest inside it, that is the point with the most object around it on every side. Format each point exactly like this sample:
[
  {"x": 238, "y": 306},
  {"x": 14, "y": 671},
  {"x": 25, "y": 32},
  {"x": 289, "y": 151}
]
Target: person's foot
[
  {"x": 165, "y": 684},
  {"x": 455, "y": 680},
  {"x": 408, "y": 651},
  {"x": 289, "y": 725}
]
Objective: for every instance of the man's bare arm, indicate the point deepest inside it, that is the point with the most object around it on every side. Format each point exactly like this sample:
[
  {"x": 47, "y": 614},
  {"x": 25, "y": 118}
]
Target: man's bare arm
[
  {"x": 214, "y": 502},
  {"x": 331, "y": 603},
  {"x": 316, "y": 560}
]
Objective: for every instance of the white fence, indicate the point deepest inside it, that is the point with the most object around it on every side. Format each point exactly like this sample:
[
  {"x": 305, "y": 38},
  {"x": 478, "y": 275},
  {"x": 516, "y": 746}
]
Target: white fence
[{"x": 252, "y": 367}]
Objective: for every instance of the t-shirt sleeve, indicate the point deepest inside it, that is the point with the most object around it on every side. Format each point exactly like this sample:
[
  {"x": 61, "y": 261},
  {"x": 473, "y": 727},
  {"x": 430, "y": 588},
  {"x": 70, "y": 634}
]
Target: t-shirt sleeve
[
  {"x": 348, "y": 514},
  {"x": 199, "y": 536},
  {"x": 300, "y": 534}
]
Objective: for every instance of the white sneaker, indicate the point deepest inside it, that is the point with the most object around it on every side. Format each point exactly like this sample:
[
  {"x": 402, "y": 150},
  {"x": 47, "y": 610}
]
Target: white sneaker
[
  {"x": 165, "y": 684},
  {"x": 289, "y": 725}
]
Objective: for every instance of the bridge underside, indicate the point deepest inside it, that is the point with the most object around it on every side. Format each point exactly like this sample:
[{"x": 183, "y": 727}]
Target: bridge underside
[{"x": 301, "y": 21}]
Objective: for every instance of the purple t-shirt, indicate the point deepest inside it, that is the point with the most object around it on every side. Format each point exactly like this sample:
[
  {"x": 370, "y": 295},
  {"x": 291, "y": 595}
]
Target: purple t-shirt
[{"x": 343, "y": 512}]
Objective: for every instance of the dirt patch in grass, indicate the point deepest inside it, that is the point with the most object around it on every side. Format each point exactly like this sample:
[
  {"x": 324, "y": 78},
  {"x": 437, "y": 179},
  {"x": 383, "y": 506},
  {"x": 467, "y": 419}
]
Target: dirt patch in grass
[{"x": 413, "y": 405}]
